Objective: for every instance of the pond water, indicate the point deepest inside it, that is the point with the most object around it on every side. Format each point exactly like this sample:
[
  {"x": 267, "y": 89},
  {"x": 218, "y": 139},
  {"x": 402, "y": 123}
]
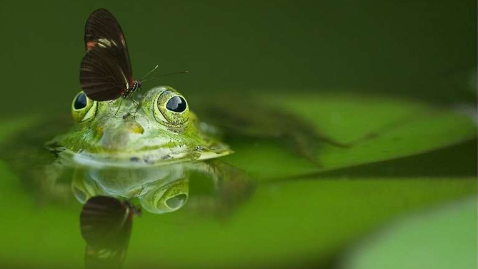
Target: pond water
[{"x": 354, "y": 137}]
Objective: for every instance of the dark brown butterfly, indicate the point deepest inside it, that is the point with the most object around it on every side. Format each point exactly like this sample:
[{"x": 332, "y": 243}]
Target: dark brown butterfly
[
  {"x": 105, "y": 72},
  {"x": 105, "y": 224}
]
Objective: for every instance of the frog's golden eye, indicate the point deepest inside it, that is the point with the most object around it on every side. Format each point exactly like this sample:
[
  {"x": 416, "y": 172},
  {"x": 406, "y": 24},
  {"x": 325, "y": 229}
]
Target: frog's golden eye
[
  {"x": 171, "y": 109},
  {"x": 83, "y": 108}
]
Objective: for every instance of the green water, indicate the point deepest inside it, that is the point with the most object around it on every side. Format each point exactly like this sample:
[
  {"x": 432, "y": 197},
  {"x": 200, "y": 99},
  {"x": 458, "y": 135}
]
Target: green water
[{"x": 391, "y": 79}]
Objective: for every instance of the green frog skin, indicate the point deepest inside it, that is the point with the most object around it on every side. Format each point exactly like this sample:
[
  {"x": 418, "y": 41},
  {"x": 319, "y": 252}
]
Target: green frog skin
[{"x": 157, "y": 129}]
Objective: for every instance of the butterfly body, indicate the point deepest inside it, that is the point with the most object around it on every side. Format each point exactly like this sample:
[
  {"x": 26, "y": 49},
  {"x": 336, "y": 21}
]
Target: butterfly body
[{"x": 125, "y": 93}]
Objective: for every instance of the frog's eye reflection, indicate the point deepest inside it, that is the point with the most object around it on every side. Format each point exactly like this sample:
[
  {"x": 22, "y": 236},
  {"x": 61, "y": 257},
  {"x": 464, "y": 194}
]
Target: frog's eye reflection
[
  {"x": 176, "y": 104},
  {"x": 80, "y": 101}
]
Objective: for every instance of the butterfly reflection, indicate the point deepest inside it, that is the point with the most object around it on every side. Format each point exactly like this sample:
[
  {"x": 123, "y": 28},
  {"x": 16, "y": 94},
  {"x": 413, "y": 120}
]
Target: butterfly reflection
[{"x": 105, "y": 224}]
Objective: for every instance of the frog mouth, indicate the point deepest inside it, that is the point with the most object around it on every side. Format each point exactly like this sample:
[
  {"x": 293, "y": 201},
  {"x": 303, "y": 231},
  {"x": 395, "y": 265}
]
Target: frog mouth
[{"x": 148, "y": 158}]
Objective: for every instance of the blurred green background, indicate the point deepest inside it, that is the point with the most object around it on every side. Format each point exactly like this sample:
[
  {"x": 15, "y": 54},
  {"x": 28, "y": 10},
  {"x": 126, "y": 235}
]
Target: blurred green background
[
  {"x": 403, "y": 51},
  {"x": 414, "y": 49}
]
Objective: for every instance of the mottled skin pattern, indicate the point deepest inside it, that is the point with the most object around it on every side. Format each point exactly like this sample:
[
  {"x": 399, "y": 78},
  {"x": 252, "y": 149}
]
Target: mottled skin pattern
[{"x": 123, "y": 133}]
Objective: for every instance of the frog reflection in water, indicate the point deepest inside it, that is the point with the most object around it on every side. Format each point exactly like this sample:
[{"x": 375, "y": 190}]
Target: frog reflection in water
[{"x": 145, "y": 154}]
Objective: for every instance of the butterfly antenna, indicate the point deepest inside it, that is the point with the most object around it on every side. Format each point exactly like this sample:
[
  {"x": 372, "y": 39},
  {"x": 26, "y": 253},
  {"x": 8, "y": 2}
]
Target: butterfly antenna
[
  {"x": 152, "y": 70},
  {"x": 168, "y": 74}
]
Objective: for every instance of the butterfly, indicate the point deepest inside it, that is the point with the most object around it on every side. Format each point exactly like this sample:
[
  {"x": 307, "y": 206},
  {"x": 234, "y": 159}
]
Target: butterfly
[
  {"x": 105, "y": 224},
  {"x": 105, "y": 71}
]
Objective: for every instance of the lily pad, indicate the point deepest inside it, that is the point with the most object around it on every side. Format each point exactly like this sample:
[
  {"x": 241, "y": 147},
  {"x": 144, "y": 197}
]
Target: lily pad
[
  {"x": 441, "y": 238},
  {"x": 372, "y": 128}
]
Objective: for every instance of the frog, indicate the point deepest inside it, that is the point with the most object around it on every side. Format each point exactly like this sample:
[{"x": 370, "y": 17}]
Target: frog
[{"x": 158, "y": 130}]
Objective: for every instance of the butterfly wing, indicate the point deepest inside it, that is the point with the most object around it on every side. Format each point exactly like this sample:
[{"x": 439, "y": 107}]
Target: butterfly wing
[
  {"x": 100, "y": 77},
  {"x": 105, "y": 224},
  {"x": 106, "y": 68}
]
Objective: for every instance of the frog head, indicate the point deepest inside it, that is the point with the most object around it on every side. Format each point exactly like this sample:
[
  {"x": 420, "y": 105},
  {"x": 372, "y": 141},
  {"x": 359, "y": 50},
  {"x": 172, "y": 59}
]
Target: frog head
[{"x": 156, "y": 129}]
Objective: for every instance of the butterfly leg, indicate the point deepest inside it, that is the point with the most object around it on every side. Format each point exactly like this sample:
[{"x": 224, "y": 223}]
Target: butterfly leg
[
  {"x": 137, "y": 105},
  {"x": 119, "y": 106}
]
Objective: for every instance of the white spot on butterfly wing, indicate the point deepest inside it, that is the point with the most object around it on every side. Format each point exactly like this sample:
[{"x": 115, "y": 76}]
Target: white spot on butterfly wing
[{"x": 103, "y": 42}]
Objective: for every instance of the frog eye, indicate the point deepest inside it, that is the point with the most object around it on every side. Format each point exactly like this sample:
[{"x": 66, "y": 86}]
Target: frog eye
[
  {"x": 83, "y": 108},
  {"x": 176, "y": 104},
  {"x": 171, "y": 109}
]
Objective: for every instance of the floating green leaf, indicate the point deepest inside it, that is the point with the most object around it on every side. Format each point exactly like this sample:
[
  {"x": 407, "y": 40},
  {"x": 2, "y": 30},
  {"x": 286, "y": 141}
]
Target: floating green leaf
[
  {"x": 375, "y": 129},
  {"x": 442, "y": 238}
]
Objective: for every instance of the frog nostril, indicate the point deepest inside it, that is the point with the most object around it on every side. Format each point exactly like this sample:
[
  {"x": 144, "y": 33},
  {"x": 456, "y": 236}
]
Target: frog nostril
[{"x": 125, "y": 116}]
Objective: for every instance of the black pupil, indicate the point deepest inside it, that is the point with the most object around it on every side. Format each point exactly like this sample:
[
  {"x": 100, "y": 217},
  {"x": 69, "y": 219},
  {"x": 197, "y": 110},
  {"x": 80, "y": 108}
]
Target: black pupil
[
  {"x": 176, "y": 104},
  {"x": 80, "y": 101}
]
